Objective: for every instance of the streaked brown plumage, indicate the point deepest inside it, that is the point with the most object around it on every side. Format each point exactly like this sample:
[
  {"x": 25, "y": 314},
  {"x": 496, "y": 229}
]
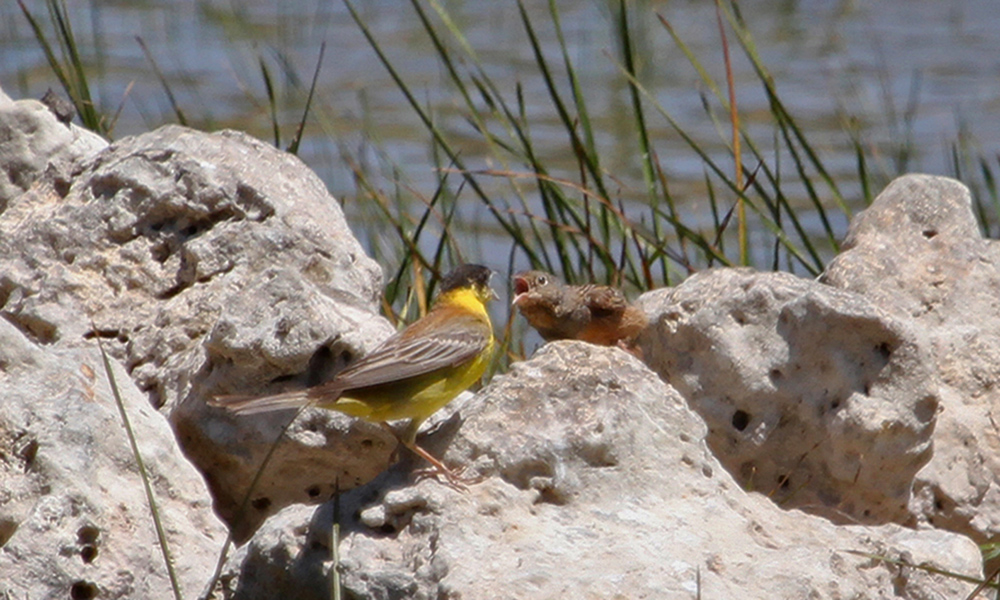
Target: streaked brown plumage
[
  {"x": 598, "y": 314},
  {"x": 413, "y": 373}
]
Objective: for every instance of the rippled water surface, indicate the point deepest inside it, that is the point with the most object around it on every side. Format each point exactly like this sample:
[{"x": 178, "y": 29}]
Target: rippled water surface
[{"x": 917, "y": 74}]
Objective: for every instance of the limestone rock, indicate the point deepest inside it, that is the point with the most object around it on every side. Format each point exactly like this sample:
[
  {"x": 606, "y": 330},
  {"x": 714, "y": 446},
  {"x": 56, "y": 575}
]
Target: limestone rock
[
  {"x": 918, "y": 252},
  {"x": 281, "y": 560},
  {"x": 210, "y": 263},
  {"x": 812, "y": 395},
  {"x": 31, "y": 140},
  {"x": 74, "y": 519},
  {"x": 597, "y": 483}
]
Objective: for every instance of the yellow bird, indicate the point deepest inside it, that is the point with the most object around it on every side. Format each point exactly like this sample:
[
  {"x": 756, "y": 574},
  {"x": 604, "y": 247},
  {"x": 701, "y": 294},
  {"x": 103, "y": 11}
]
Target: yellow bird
[
  {"x": 413, "y": 373},
  {"x": 598, "y": 314}
]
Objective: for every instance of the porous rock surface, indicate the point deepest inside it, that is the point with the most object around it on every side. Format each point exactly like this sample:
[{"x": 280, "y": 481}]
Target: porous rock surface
[
  {"x": 918, "y": 253},
  {"x": 213, "y": 263},
  {"x": 32, "y": 140},
  {"x": 596, "y": 483},
  {"x": 812, "y": 395},
  {"x": 74, "y": 519},
  {"x": 209, "y": 263}
]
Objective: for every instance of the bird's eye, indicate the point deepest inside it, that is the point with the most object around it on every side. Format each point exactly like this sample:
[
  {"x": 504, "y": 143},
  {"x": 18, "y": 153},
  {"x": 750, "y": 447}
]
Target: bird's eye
[{"x": 542, "y": 280}]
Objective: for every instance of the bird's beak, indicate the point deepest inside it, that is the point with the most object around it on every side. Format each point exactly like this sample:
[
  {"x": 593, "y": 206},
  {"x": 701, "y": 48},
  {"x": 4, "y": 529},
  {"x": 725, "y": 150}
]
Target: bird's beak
[
  {"x": 489, "y": 285},
  {"x": 520, "y": 288}
]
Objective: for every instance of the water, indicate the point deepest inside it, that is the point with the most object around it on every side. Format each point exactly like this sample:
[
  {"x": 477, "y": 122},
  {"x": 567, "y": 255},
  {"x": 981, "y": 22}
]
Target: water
[{"x": 919, "y": 72}]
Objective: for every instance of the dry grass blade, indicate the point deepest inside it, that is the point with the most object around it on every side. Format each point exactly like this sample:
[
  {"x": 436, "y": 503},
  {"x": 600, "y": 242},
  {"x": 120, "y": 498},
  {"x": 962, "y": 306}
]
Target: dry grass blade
[
  {"x": 927, "y": 568},
  {"x": 741, "y": 210}
]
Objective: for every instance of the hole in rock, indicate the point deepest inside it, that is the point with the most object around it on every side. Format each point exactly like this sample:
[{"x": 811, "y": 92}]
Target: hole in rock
[
  {"x": 7, "y": 528},
  {"x": 741, "y": 419},
  {"x": 930, "y": 233},
  {"x": 313, "y": 491},
  {"x": 262, "y": 503},
  {"x": 83, "y": 590},
  {"x": 320, "y": 366},
  {"x": 87, "y": 534},
  {"x": 926, "y": 409},
  {"x": 29, "y": 452},
  {"x": 160, "y": 252},
  {"x": 551, "y": 495}
]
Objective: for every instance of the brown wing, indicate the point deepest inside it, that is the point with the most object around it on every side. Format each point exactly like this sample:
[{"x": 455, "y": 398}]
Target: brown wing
[
  {"x": 603, "y": 301},
  {"x": 439, "y": 340}
]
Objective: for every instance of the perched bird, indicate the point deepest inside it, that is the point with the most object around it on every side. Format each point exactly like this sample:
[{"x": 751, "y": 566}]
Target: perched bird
[
  {"x": 598, "y": 314},
  {"x": 413, "y": 373}
]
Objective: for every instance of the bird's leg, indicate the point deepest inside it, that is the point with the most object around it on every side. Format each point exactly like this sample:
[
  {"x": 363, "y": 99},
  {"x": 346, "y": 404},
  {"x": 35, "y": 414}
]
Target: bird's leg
[
  {"x": 631, "y": 348},
  {"x": 408, "y": 439},
  {"x": 453, "y": 478}
]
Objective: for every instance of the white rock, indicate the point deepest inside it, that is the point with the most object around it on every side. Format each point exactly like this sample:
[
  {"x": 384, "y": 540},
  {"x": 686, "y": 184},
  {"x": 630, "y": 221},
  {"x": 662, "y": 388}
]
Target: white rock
[
  {"x": 74, "y": 518},
  {"x": 31, "y": 140},
  {"x": 812, "y": 395},
  {"x": 917, "y": 251},
  {"x": 598, "y": 483},
  {"x": 210, "y": 263}
]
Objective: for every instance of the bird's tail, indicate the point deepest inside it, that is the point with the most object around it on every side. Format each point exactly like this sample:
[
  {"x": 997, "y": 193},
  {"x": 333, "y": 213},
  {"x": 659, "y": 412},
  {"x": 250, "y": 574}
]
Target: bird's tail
[{"x": 250, "y": 405}]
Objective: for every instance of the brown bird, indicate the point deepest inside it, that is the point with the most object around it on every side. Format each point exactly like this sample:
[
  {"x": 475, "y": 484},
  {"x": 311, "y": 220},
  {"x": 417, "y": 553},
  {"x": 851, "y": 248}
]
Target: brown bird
[
  {"x": 413, "y": 373},
  {"x": 598, "y": 314}
]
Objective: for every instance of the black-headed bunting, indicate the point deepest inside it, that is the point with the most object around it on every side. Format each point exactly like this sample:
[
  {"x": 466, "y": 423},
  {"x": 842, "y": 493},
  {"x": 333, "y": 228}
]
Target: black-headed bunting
[{"x": 413, "y": 373}]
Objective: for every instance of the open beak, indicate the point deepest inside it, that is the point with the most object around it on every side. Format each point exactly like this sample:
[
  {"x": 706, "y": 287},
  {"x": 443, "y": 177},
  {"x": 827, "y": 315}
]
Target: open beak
[{"x": 520, "y": 288}]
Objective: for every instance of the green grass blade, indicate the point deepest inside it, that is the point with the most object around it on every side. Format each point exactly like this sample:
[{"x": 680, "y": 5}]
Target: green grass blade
[
  {"x": 990, "y": 181},
  {"x": 50, "y": 56},
  {"x": 72, "y": 78},
  {"x": 578, "y": 97},
  {"x": 272, "y": 101},
  {"x": 628, "y": 55},
  {"x": 224, "y": 553},
  {"x": 335, "y": 585},
  {"x": 161, "y": 536},
  {"x": 779, "y": 109},
  {"x": 67, "y": 41},
  {"x": 511, "y": 228},
  {"x": 293, "y": 147},
  {"x": 810, "y": 264},
  {"x": 163, "y": 82}
]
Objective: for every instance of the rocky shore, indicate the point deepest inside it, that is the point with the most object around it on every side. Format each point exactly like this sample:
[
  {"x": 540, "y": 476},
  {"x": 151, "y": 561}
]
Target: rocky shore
[{"x": 777, "y": 434}]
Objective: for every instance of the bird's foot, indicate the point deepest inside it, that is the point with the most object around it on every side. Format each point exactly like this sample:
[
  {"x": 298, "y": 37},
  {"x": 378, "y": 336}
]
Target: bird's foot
[{"x": 451, "y": 477}]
